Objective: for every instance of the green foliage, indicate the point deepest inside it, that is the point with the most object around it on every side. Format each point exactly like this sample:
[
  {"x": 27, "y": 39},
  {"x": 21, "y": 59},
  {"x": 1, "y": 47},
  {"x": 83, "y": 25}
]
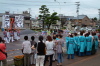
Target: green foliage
[
  {"x": 51, "y": 19},
  {"x": 95, "y": 19},
  {"x": 98, "y": 30},
  {"x": 47, "y": 18},
  {"x": 43, "y": 13},
  {"x": 63, "y": 27}
]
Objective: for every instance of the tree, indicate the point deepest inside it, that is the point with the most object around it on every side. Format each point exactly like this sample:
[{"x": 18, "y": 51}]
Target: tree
[
  {"x": 43, "y": 13},
  {"x": 94, "y": 19},
  {"x": 51, "y": 19}
]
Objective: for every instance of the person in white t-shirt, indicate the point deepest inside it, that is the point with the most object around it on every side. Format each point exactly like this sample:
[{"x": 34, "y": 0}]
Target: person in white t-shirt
[
  {"x": 26, "y": 45},
  {"x": 49, "y": 50}
]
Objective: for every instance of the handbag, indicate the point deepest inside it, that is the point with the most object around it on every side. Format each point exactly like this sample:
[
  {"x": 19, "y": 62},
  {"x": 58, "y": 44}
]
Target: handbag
[
  {"x": 22, "y": 50},
  {"x": 4, "y": 53},
  {"x": 45, "y": 51},
  {"x": 63, "y": 49}
]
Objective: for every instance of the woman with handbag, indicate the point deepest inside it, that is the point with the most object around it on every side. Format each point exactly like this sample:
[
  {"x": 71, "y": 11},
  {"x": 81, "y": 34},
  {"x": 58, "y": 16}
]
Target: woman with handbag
[
  {"x": 59, "y": 47},
  {"x": 3, "y": 56}
]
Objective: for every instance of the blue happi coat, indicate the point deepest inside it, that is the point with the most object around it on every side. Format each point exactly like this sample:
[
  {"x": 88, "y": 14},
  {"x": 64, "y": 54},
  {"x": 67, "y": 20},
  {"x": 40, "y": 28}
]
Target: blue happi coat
[
  {"x": 57, "y": 39},
  {"x": 88, "y": 43},
  {"x": 66, "y": 39},
  {"x": 82, "y": 43},
  {"x": 70, "y": 45},
  {"x": 77, "y": 41},
  {"x": 96, "y": 42}
]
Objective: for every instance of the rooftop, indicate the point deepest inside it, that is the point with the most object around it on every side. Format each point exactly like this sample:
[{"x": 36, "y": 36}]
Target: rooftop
[{"x": 80, "y": 17}]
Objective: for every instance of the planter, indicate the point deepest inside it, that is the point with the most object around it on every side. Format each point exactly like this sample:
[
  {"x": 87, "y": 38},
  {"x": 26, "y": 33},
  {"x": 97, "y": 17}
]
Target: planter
[{"x": 18, "y": 62}]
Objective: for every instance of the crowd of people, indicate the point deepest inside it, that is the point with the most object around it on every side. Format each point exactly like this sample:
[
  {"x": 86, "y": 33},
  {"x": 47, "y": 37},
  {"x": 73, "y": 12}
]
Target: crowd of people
[
  {"x": 11, "y": 35},
  {"x": 42, "y": 51},
  {"x": 38, "y": 53},
  {"x": 85, "y": 43}
]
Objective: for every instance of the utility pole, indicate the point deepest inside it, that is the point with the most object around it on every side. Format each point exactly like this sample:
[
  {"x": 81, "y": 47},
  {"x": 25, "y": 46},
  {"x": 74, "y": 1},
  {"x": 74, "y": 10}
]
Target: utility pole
[
  {"x": 30, "y": 17},
  {"x": 77, "y": 11},
  {"x": 99, "y": 14},
  {"x": 60, "y": 10}
]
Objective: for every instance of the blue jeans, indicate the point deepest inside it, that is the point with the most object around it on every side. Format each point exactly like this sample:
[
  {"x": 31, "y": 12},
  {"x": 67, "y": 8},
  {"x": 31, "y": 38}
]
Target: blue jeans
[
  {"x": 59, "y": 57},
  {"x": 72, "y": 56}
]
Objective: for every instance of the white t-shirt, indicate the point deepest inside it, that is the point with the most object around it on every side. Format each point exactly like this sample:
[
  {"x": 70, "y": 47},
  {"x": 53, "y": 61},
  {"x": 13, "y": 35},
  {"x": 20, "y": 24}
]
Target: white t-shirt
[
  {"x": 26, "y": 45},
  {"x": 49, "y": 47}
]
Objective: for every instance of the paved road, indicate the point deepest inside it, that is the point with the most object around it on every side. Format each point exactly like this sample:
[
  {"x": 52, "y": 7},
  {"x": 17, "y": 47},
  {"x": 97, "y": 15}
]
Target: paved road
[{"x": 93, "y": 60}]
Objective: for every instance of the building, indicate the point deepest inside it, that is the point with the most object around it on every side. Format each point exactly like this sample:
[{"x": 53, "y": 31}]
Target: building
[
  {"x": 56, "y": 26},
  {"x": 27, "y": 16},
  {"x": 36, "y": 24},
  {"x": 65, "y": 20},
  {"x": 82, "y": 20}
]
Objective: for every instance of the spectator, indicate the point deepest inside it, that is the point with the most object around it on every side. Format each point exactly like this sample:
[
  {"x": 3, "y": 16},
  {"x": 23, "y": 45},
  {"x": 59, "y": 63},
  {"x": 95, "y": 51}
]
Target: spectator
[
  {"x": 49, "y": 50},
  {"x": 59, "y": 45},
  {"x": 55, "y": 49},
  {"x": 40, "y": 52},
  {"x": 26, "y": 45},
  {"x": 2, "y": 55},
  {"x": 33, "y": 50}
]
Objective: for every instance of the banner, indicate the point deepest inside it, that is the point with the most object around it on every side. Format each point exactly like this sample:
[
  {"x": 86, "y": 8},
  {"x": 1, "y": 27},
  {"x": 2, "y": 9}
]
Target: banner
[
  {"x": 19, "y": 21},
  {"x": 5, "y": 21}
]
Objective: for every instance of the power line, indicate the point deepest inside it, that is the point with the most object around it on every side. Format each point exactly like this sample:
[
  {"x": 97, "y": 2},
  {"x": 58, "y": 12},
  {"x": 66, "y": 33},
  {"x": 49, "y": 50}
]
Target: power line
[
  {"x": 28, "y": 5},
  {"x": 41, "y": 1}
]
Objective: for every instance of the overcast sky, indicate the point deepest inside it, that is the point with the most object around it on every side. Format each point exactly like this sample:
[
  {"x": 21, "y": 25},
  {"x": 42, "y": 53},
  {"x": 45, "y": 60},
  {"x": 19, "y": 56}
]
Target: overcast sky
[{"x": 66, "y": 7}]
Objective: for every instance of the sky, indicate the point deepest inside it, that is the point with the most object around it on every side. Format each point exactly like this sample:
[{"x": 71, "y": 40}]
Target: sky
[{"x": 65, "y": 7}]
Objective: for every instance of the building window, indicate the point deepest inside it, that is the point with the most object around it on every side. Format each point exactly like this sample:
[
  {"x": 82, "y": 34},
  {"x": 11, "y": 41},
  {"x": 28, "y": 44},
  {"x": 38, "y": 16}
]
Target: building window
[{"x": 27, "y": 18}]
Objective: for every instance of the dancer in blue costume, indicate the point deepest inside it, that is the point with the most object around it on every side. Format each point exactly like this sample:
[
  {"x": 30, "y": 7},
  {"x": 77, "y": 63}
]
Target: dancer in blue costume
[
  {"x": 77, "y": 41},
  {"x": 57, "y": 37},
  {"x": 70, "y": 46},
  {"x": 82, "y": 44},
  {"x": 88, "y": 44},
  {"x": 95, "y": 43}
]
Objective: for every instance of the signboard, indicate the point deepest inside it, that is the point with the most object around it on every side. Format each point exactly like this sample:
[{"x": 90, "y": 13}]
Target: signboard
[
  {"x": 18, "y": 21},
  {"x": 5, "y": 21}
]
